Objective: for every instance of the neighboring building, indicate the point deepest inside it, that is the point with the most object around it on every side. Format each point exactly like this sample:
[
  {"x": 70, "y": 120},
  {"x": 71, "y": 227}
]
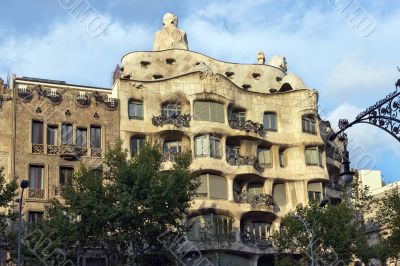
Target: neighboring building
[{"x": 253, "y": 130}]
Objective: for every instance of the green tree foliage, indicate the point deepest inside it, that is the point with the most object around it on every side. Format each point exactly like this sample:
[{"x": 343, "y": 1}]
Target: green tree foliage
[
  {"x": 7, "y": 194},
  {"x": 328, "y": 234},
  {"x": 125, "y": 207},
  {"x": 389, "y": 218}
]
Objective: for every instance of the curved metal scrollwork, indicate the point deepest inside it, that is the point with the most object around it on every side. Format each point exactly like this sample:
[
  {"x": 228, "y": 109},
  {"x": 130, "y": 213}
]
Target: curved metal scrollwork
[
  {"x": 248, "y": 126},
  {"x": 177, "y": 120},
  {"x": 385, "y": 114}
]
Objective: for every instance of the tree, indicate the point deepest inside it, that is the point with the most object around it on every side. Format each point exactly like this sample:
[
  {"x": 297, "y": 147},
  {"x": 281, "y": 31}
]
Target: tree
[
  {"x": 125, "y": 207},
  {"x": 328, "y": 234},
  {"x": 7, "y": 194},
  {"x": 389, "y": 218}
]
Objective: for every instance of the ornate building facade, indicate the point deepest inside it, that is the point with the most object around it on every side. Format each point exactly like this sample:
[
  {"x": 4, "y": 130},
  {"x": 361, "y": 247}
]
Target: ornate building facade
[{"x": 253, "y": 129}]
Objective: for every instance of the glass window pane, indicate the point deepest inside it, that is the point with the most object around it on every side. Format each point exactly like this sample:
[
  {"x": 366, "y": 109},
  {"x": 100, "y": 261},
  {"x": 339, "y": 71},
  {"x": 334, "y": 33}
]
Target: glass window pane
[
  {"x": 95, "y": 137},
  {"x": 81, "y": 137},
  {"x": 37, "y": 132},
  {"x": 52, "y": 135},
  {"x": 35, "y": 177},
  {"x": 65, "y": 175}
]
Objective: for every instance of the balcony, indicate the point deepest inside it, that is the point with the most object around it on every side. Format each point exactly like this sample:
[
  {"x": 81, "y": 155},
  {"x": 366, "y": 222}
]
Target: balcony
[
  {"x": 178, "y": 120},
  {"x": 256, "y": 200},
  {"x": 69, "y": 152},
  {"x": 253, "y": 240},
  {"x": 96, "y": 152},
  {"x": 248, "y": 126},
  {"x": 38, "y": 148},
  {"x": 169, "y": 156},
  {"x": 53, "y": 149},
  {"x": 238, "y": 160},
  {"x": 81, "y": 151},
  {"x": 36, "y": 193}
]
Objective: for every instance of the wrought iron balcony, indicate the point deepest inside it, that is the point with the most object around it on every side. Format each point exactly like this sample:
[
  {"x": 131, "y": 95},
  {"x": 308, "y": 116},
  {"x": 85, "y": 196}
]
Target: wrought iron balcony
[
  {"x": 38, "y": 148},
  {"x": 36, "y": 193},
  {"x": 256, "y": 200},
  {"x": 177, "y": 120},
  {"x": 248, "y": 126},
  {"x": 169, "y": 156},
  {"x": 237, "y": 160},
  {"x": 253, "y": 240}
]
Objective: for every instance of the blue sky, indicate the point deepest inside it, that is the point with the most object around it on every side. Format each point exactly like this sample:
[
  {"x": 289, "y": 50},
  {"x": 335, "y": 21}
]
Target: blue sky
[{"x": 323, "y": 44}]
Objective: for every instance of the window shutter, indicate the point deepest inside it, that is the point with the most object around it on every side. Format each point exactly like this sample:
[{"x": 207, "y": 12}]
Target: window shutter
[
  {"x": 202, "y": 111},
  {"x": 218, "y": 187},
  {"x": 202, "y": 190},
  {"x": 315, "y": 187},
  {"x": 280, "y": 194},
  {"x": 264, "y": 156},
  {"x": 217, "y": 112}
]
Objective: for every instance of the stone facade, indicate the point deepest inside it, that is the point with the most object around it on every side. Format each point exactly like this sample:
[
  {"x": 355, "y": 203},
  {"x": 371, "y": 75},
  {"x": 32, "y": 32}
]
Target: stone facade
[{"x": 253, "y": 130}]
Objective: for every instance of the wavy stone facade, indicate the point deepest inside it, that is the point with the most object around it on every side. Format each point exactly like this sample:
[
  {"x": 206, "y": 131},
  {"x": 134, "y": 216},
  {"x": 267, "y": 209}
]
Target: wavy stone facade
[{"x": 253, "y": 130}]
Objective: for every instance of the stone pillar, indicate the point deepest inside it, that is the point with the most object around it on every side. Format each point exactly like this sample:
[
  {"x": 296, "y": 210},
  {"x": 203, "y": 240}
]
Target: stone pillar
[{"x": 230, "y": 188}]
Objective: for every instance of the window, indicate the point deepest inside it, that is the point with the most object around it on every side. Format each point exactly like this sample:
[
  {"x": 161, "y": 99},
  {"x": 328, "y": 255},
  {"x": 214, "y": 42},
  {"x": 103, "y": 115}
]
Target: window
[
  {"x": 135, "y": 110},
  {"x": 171, "y": 109},
  {"x": 239, "y": 115},
  {"x": 34, "y": 217},
  {"x": 255, "y": 188},
  {"x": 172, "y": 146},
  {"x": 315, "y": 191},
  {"x": 52, "y": 135},
  {"x": 36, "y": 177},
  {"x": 209, "y": 111},
  {"x": 264, "y": 157},
  {"x": 212, "y": 226},
  {"x": 232, "y": 152},
  {"x": 270, "y": 121},
  {"x": 81, "y": 137},
  {"x": 314, "y": 156},
  {"x": 95, "y": 137},
  {"x": 213, "y": 187},
  {"x": 308, "y": 124},
  {"x": 66, "y": 134},
  {"x": 37, "y": 132},
  {"x": 65, "y": 175},
  {"x": 256, "y": 230},
  {"x": 279, "y": 194},
  {"x": 136, "y": 145},
  {"x": 207, "y": 146},
  {"x": 282, "y": 158}
]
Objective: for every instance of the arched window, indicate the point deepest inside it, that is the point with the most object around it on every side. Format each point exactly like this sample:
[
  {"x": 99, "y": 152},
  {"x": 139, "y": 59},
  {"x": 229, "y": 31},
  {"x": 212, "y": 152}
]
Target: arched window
[
  {"x": 135, "y": 109},
  {"x": 137, "y": 143},
  {"x": 308, "y": 124},
  {"x": 171, "y": 109},
  {"x": 213, "y": 187}
]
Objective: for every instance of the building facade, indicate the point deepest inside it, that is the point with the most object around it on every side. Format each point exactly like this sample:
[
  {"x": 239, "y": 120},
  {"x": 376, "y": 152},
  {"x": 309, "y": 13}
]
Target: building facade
[{"x": 253, "y": 129}]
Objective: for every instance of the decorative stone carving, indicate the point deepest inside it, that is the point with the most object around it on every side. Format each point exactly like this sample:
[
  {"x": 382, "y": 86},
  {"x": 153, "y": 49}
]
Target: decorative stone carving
[
  {"x": 279, "y": 62},
  {"x": 36, "y": 193},
  {"x": 261, "y": 58},
  {"x": 68, "y": 152},
  {"x": 109, "y": 102},
  {"x": 248, "y": 126},
  {"x": 38, "y": 148},
  {"x": 96, "y": 152},
  {"x": 52, "y": 149},
  {"x": 83, "y": 100},
  {"x": 81, "y": 151},
  {"x": 170, "y": 37},
  {"x": 25, "y": 94},
  {"x": 177, "y": 120}
]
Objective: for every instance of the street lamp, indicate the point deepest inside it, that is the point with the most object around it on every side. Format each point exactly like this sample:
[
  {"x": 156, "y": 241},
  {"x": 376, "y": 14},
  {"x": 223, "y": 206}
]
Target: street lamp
[{"x": 24, "y": 184}]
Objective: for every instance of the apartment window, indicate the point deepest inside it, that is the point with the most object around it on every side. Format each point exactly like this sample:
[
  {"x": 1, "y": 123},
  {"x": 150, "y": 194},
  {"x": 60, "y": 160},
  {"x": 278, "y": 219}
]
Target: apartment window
[
  {"x": 36, "y": 176},
  {"x": 213, "y": 186},
  {"x": 37, "y": 132},
  {"x": 214, "y": 225},
  {"x": 136, "y": 145},
  {"x": 315, "y": 190},
  {"x": 135, "y": 110},
  {"x": 279, "y": 194},
  {"x": 208, "y": 146},
  {"x": 66, "y": 134},
  {"x": 171, "y": 109},
  {"x": 95, "y": 137},
  {"x": 232, "y": 152},
  {"x": 222, "y": 226},
  {"x": 256, "y": 230},
  {"x": 52, "y": 135},
  {"x": 81, "y": 137},
  {"x": 239, "y": 115},
  {"x": 308, "y": 124},
  {"x": 255, "y": 188},
  {"x": 209, "y": 111},
  {"x": 270, "y": 121},
  {"x": 264, "y": 157},
  {"x": 34, "y": 217},
  {"x": 173, "y": 146},
  {"x": 282, "y": 158},
  {"x": 65, "y": 175},
  {"x": 314, "y": 156}
]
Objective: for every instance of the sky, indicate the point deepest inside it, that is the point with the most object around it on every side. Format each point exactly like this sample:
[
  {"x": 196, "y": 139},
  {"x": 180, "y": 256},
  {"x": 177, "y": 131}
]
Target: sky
[{"x": 347, "y": 50}]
